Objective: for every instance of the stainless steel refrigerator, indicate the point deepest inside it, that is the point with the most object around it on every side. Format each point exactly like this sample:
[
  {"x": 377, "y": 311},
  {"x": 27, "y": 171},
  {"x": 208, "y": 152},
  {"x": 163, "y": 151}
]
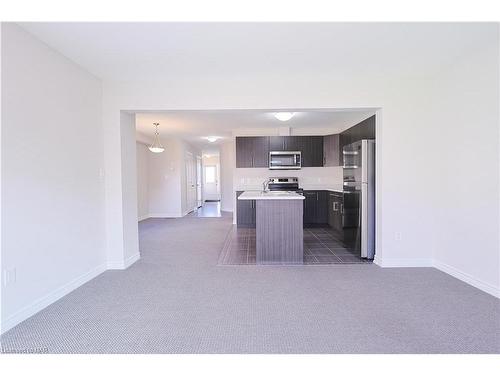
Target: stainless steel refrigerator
[{"x": 359, "y": 197}]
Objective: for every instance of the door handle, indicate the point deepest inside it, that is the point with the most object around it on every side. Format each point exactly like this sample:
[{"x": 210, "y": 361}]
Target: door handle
[{"x": 335, "y": 206}]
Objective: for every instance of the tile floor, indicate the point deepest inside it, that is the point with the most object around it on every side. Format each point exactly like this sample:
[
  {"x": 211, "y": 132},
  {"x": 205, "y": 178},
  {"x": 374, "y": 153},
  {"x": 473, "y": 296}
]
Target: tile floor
[{"x": 320, "y": 247}]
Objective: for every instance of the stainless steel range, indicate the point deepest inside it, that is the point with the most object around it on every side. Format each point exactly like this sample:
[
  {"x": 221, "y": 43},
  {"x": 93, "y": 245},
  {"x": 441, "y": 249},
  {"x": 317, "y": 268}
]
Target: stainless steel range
[{"x": 284, "y": 184}]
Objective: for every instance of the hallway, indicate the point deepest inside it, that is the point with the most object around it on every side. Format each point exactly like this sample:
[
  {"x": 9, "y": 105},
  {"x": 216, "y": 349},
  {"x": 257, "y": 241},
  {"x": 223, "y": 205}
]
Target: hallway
[
  {"x": 208, "y": 209},
  {"x": 175, "y": 299}
]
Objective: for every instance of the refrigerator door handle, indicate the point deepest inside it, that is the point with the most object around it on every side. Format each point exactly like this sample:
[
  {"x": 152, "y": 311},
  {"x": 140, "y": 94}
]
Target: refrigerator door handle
[
  {"x": 364, "y": 220},
  {"x": 364, "y": 161}
]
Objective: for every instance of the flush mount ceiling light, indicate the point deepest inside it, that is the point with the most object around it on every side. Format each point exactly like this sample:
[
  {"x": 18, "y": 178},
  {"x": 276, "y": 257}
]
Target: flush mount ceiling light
[
  {"x": 284, "y": 116},
  {"x": 212, "y": 139},
  {"x": 156, "y": 147}
]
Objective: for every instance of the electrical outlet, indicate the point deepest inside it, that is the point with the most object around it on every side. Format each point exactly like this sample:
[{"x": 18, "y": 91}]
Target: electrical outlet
[{"x": 398, "y": 236}]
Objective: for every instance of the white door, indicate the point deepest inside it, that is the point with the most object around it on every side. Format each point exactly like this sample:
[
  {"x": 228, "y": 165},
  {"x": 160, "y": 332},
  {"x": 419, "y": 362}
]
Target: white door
[
  {"x": 211, "y": 183},
  {"x": 190, "y": 182},
  {"x": 199, "y": 199}
]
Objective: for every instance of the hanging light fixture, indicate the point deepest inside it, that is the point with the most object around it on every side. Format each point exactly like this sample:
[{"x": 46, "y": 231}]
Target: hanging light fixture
[{"x": 156, "y": 147}]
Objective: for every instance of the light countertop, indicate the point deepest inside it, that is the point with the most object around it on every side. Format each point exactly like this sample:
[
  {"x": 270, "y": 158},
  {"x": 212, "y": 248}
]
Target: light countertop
[
  {"x": 259, "y": 194},
  {"x": 335, "y": 188}
]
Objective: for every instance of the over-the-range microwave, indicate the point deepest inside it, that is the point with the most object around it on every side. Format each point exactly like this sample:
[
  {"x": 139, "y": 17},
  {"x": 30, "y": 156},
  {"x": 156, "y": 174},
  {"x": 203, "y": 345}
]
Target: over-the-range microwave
[{"x": 285, "y": 160}]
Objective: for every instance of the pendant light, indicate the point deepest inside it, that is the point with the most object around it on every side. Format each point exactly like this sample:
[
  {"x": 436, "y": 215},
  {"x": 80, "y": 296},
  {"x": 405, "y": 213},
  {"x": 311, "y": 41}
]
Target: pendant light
[{"x": 156, "y": 147}]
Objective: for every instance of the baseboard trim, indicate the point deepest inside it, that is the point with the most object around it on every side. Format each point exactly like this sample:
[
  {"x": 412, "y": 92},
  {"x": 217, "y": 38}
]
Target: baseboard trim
[
  {"x": 446, "y": 268},
  {"x": 164, "y": 216},
  {"x": 122, "y": 265},
  {"x": 469, "y": 279},
  {"x": 50, "y": 298},
  {"x": 403, "y": 262}
]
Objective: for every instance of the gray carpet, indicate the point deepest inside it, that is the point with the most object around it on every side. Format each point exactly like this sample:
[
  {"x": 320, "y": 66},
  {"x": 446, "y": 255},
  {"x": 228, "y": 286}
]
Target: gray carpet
[{"x": 177, "y": 300}]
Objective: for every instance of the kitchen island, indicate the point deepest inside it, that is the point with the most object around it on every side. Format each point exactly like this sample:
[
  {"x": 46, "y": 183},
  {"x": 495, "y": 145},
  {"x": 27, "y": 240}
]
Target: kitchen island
[{"x": 279, "y": 233}]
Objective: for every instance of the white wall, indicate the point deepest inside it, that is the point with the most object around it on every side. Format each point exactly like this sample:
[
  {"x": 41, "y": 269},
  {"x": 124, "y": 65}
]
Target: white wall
[
  {"x": 165, "y": 190},
  {"x": 1, "y": 184},
  {"x": 53, "y": 231},
  {"x": 227, "y": 167},
  {"x": 404, "y": 163},
  {"x": 129, "y": 196},
  {"x": 142, "y": 152},
  {"x": 465, "y": 144}
]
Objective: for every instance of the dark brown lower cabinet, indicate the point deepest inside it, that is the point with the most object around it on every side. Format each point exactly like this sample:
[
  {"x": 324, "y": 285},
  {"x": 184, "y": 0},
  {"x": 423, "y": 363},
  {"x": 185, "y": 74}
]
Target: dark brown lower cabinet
[
  {"x": 335, "y": 213},
  {"x": 315, "y": 208}
]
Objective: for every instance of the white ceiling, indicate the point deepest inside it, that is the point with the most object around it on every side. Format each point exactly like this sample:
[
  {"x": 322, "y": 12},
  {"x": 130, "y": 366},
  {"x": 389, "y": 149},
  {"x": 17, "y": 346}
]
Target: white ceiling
[
  {"x": 194, "y": 126},
  {"x": 153, "y": 51}
]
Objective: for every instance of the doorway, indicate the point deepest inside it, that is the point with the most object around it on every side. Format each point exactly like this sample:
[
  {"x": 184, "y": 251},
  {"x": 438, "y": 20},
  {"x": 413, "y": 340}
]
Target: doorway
[
  {"x": 191, "y": 182},
  {"x": 211, "y": 173},
  {"x": 199, "y": 197}
]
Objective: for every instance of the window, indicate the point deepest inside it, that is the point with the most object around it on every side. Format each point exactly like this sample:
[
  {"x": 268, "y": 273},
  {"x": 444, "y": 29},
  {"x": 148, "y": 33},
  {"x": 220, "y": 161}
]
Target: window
[{"x": 210, "y": 174}]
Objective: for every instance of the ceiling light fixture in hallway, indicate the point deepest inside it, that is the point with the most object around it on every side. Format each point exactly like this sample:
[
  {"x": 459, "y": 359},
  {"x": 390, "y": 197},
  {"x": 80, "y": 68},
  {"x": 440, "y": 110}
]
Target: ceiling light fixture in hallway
[{"x": 156, "y": 147}]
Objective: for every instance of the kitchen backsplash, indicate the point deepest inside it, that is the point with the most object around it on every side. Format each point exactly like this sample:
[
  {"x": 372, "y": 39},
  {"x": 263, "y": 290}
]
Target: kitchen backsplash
[{"x": 309, "y": 178}]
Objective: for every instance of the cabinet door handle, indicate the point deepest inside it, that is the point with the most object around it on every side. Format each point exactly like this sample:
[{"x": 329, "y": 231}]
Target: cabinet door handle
[
  {"x": 341, "y": 208},
  {"x": 335, "y": 206}
]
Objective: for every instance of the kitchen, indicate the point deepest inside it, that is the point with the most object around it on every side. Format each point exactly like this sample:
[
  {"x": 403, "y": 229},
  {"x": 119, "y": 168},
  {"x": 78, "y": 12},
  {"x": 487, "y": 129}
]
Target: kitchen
[{"x": 333, "y": 178}]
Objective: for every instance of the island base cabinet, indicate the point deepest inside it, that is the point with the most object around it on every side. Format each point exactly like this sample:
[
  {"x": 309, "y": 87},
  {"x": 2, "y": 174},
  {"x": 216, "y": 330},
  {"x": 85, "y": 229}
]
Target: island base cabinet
[
  {"x": 245, "y": 212},
  {"x": 279, "y": 233}
]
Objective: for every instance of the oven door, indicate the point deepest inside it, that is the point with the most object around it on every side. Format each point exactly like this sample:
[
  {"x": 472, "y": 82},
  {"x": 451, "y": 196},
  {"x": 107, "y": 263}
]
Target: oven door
[{"x": 285, "y": 160}]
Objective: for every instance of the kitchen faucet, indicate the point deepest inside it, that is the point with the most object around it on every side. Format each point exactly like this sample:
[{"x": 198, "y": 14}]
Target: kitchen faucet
[{"x": 264, "y": 185}]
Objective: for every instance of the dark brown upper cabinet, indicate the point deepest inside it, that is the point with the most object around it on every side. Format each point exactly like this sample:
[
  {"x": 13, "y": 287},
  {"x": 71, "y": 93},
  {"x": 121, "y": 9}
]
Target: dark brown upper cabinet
[
  {"x": 312, "y": 150},
  {"x": 331, "y": 147},
  {"x": 277, "y": 143},
  {"x": 364, "y": 130},
  {"x": 252, "y": 152},
  {"x": 284, "y": 143}
]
